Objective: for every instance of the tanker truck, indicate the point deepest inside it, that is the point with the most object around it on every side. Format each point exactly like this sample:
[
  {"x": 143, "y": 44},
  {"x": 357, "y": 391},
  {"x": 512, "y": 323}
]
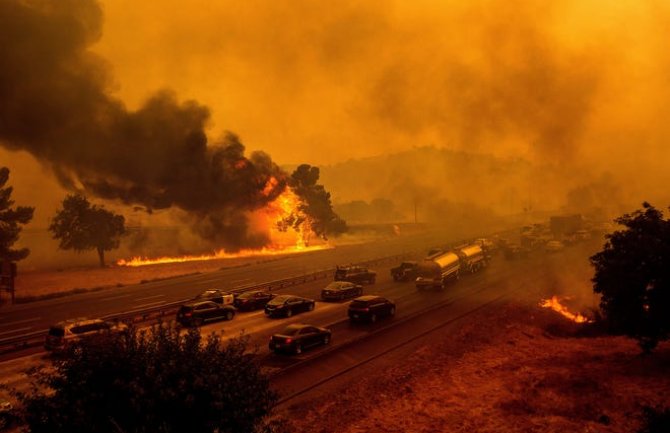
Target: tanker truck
[
  {"x": 473, "y": 257},
  {"x": 438, "y": 270}
]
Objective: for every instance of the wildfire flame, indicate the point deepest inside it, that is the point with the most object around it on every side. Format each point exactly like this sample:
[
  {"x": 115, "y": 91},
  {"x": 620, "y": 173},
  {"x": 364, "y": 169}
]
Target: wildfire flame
[
  {"x": 555, "y": 304},
  {"x": 277, "y": 218}
]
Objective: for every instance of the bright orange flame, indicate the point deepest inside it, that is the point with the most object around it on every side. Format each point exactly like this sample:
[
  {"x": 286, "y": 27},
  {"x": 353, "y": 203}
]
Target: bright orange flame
[
  {"x": 555, "y": 304},
  {"x": 286, "y": 207},
  {"x": 144, "y": 261}
]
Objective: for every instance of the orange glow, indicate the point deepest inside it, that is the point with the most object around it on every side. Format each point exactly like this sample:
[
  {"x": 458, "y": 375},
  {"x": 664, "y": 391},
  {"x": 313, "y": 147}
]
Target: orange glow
[
  {"x": 555, "y": 304},
  {"x": 273, "y": 219},
  {"x": 266, "y": 251}
]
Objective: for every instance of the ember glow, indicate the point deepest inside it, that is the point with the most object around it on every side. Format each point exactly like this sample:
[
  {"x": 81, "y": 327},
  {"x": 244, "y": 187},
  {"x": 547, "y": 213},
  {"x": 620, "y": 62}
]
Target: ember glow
[
  {"x": 285, "y": 238},
  {"x": 555, "y": 304}
]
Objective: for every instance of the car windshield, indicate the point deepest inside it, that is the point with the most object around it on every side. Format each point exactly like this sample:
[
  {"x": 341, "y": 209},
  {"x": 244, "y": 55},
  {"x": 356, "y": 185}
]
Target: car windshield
[
  {"x": 246, "y": 295},
  {"x": 335, "y": 286},
  {"x": 291, "y": 330},
  {"x": 359, "y": 304},
  {"x": 186, "y": 308},
  {"x": 207, "y": 294},
  {"x": 56, "y": 331},
  {"x": 279, "y": 300}
]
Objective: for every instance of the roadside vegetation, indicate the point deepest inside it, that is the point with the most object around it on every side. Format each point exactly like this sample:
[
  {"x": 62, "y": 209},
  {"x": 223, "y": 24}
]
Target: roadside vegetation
[
  {"x": 632, "y": 275},
  {"x": 158, "y": 380},
  {"x": 80, "y": 226},
  {"x": 11, "y": 220}
]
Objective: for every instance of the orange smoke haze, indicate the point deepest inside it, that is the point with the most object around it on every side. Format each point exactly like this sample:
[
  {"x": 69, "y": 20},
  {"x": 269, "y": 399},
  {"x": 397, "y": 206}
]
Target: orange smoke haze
[{"x": 575, "y": 90}]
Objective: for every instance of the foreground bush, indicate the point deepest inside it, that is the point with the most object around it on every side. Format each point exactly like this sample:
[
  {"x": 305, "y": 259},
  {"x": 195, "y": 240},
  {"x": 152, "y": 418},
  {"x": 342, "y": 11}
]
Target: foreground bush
[{"x": 155, "y": 381}]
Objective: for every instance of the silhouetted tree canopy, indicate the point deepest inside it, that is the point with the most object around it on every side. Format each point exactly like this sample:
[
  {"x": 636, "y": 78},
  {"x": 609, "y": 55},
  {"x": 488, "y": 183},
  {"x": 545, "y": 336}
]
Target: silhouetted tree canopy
[
  {"x": 80, "y": 226},
  {"x": 155, "y": 381},
  {"x": 317, "y": 206},
  {"x": 632, "y": 273},
  {"x": 11, "y": 220}
]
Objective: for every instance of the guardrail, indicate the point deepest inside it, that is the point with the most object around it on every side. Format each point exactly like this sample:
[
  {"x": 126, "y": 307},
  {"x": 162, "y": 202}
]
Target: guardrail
[{"x": 36, "y": 339}]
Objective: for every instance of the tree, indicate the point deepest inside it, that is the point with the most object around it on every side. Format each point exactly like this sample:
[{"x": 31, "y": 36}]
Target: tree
[
  {"x": 11, "y": 220},
  {"x": 317, "y": 206},
  {"x": 80, "y": 226},
  {"x": 632, "y": 274},
  {"x": 150, "y": 381}
]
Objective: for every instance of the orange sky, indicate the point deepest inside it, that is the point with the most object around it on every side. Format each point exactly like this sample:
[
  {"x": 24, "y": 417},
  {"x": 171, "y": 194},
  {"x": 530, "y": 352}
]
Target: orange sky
[{"x": 578, "y": 83}]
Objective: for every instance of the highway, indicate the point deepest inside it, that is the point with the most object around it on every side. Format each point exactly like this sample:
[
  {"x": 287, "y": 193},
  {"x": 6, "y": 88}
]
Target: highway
[
  {"x": 17, "y": 320},
  {"x": 354, "y": 345}
]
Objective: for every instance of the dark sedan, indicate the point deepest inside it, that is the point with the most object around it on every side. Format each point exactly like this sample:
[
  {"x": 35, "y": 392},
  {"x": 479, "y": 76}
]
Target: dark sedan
[
  {"x": 294, "y": 338},
  {"x": 288, "y": 305},
  {"x": 252, "y": 300},
  {"x": 197, "y": 313},
  {"x": 340, "y": 290},
  {"x": 370, "y": 308}
]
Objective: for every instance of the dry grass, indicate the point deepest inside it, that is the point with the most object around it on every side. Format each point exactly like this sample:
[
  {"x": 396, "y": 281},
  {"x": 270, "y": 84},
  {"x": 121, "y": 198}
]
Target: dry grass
[{"x": 503, "y": 373}]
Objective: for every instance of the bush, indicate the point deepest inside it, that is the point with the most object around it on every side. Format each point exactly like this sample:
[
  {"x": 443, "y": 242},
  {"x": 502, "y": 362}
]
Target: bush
[
  {"x": 150, "y": 381},
  {"x": 632, "y": 273},
  {"x": 655, "y": 420}
]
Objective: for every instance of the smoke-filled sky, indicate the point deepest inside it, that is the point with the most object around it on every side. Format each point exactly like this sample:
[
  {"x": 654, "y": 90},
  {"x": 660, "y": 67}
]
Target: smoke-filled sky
[{"x": 578, "y": 84}]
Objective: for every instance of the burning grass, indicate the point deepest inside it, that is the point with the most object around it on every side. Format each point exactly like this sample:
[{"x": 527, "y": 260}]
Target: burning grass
[{"x": 501, "y": 372}]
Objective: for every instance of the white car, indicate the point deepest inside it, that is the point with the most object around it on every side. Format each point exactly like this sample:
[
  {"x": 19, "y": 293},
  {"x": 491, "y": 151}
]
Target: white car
[
  {"x": 216, "y": 295},
  {"x": 553, "y": 246}
]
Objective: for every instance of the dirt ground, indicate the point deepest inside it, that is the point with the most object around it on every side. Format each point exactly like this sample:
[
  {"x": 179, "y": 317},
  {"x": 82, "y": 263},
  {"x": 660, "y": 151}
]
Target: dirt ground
[{"x": 521, "y": 369}]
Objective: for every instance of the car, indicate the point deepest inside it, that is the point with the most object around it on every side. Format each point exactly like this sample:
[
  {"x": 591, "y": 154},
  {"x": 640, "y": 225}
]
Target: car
[
  {"x": 339, "y": 290},
  {"x": 64, "y": 333},
  {"x": 355, "y": 274},
  {"x": 252, "y": 300},
  {"x": 288, "y": 305},
  {"x": 216, "y": 295},
  {"x": 513, "y": 251},
  {"x": 406, "y": 271},
  {"x": 553, "y": 246},
  {"x": 198, "y": 313},
  {"x": 370, "y": 308},
  {"x": 298, "y": 336}
]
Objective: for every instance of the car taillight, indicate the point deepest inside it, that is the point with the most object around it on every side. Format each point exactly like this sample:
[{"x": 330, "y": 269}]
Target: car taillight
[
  {"x": 288, "y": 340},
  {"x": 189, "y": 314}
]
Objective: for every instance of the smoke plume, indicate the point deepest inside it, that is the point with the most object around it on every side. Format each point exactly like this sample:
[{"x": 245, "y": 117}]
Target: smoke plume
[{"x": 56, "y": 104}]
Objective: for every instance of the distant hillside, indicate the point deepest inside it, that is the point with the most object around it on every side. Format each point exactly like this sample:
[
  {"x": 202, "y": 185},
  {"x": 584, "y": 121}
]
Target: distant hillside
[{"x": 427, "y": 174}]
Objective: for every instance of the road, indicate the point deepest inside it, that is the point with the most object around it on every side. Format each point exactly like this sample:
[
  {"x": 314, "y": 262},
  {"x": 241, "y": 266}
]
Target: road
[
  {"x": 21, "y": 319},
  {"x": 355, "y": 345}
]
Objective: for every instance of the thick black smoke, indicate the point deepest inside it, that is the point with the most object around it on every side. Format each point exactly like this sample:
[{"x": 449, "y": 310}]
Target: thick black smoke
[{"x": 55, "y": 103}]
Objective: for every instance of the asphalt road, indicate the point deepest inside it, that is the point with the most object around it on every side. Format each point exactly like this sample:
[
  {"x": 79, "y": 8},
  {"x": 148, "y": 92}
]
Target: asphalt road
[
  {"x": 522, "y": 280},
  {"x": 17, "y": 320}
]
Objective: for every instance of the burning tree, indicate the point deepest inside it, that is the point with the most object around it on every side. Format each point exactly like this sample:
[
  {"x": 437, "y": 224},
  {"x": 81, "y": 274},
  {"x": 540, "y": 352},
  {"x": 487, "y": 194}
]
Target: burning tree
[
  {"x": 632, "y": 273},
  {"x": 81, "y": 226},
  {"x": 11, "y": 220},
  {"x": 315, "y": 208}
]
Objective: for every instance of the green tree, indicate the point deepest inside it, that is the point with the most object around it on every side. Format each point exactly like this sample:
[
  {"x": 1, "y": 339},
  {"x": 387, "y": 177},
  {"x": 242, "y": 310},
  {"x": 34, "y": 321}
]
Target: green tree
[
  {"x": 11, "y": 220},
  {"x": 80, "y": 226},
  {"x": 632, "y": 275},
  {"x": 157, "y": 381},
  {"x": 317, "y": 206}
]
